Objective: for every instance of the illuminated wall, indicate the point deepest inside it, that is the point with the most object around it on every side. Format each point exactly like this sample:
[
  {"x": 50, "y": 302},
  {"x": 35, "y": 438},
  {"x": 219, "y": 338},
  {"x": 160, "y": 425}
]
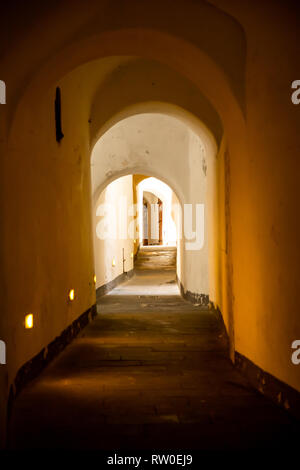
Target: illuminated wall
[
  {"x": 226, "y": 69},
  {"x": 113, "y": 246}
]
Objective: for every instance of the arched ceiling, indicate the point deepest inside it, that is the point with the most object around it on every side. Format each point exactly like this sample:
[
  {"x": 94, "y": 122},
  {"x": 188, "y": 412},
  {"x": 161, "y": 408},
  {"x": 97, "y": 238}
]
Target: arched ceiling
[
  {"x": 138, "y": 81},
  {"x": 206, "y": 26},
  {"x": 207, "y": 48},
  {"x": 151, "y": 144}
]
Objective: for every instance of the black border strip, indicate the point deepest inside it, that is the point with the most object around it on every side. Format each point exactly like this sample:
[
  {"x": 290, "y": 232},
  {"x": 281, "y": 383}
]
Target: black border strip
[
  {"x": 279, "y": 392},
  {"x": 201, "y": 299},
  {"x": 34, "y": 366},
  {"x": 102, "y": 290}
]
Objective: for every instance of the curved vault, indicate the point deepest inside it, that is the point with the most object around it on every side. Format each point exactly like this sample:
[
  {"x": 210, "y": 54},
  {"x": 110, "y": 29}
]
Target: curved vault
[
  {"x": 149, "y": 29},
  {"x": 152, "y": 45}
]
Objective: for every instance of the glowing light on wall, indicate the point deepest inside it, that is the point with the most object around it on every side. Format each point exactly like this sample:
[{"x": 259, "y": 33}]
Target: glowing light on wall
[
  {"x": 95, "y": 279},
  {"x": 72, "y": 294},
  {"x": 113, "y": 262},
  {"x": 131, "y": 255},
  {"x": 29, "y": 320}
]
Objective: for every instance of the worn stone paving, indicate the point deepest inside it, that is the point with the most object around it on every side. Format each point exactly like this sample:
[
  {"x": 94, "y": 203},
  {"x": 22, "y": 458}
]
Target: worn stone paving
[{"x": 151, "y": 372}]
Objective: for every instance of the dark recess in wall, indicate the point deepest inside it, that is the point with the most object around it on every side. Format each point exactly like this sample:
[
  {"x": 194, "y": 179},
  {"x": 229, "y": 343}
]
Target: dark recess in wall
[{"x": 58, "y": 125}]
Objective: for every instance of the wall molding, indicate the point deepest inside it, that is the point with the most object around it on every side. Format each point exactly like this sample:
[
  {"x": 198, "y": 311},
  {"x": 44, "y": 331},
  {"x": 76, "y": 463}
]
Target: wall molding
[
  {"x": 201, "y": 299},
  {"x": 102, "y": 290},
  {"x": 277, "y": 391}
]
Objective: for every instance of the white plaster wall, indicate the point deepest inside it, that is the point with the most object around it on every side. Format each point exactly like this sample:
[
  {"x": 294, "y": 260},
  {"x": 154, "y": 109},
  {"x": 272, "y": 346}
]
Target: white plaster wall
[
  {"x": 195, "y": 275},
  {"x": 165, "y": 147},
  {"x": 165, "y": 194},
  {"x": 109, "y": 249}
]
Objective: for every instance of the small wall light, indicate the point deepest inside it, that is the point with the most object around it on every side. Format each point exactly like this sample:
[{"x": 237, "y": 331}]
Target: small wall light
[
  {"x": 134, "y": 241},
  {"x": 29, "y": 320},
  {"x": 131, "y": 254},
  {"x": 95, "y": 279},
  {"x": 72, "y": 294},
  {"x": 113, "y": 262}
]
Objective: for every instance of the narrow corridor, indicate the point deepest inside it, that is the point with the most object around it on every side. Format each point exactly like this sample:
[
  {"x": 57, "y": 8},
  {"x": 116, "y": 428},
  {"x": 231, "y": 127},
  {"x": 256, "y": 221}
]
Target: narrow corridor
[{"x": 150, "y": 372}]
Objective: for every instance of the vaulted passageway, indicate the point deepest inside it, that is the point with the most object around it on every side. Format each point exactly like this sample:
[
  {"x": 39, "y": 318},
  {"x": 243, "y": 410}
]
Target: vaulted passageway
[
  {"x": 100, "y": 98},
  {"x": 151, "y": 372}
]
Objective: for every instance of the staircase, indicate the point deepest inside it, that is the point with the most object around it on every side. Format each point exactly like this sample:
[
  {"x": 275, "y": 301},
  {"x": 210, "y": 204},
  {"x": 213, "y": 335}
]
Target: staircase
[{"x": 156, "y": 258}]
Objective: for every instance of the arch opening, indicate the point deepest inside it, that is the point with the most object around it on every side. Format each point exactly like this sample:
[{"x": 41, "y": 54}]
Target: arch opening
[
  {"x": 127, "y": 238},
  {"x": 162, "y": 147},
  {"x": 161, "y": 206}
]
